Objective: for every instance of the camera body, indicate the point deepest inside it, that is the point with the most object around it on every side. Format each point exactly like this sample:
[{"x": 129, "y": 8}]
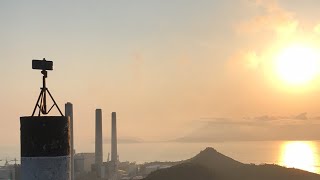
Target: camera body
[{"x": 42, "y": 65}]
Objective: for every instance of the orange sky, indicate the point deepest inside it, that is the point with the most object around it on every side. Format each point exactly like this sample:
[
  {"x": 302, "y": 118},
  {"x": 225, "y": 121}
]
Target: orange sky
[{"x": 161, "y": 66}]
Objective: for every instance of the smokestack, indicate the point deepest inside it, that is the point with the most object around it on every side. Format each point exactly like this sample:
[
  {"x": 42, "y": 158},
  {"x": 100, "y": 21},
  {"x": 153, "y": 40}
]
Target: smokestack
[
  {"x": 45, "y": 147},
  {"x": 98, "y": 144},
  {"x": 69, "y": 113},
  {"x": 114, "y": 153}
]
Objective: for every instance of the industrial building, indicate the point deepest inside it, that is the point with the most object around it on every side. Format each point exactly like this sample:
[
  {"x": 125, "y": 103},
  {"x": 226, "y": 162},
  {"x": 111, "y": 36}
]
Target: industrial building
[
  {"x": 83, "y": 163},
  {"x": 10, "y": 171}
]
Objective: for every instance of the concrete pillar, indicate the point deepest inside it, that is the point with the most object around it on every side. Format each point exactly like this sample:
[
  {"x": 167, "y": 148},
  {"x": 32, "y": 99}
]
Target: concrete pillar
[
  {"x": 69, "y": 113},
  {"x": 45, "y": 148},
  {"x": 98, "y": 143},
  {"x": 114, "y": 148}
]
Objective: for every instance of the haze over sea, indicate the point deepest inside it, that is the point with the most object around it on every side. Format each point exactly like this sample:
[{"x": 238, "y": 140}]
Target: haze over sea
[{"x": 306, "y": 153}]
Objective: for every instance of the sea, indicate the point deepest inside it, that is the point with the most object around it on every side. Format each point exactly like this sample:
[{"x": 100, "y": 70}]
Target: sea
[{"x": 294, "y": 154}]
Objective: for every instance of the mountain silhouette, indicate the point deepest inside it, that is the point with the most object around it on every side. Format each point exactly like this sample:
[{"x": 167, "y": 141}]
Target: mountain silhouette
[
  {"x": 213, "y": 159},
  {"x": 184, "y": 171},
  {"x": 209, "y": 164}
]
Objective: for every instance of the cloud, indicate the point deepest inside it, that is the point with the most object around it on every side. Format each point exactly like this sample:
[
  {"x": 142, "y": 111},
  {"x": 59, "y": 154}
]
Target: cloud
[
  {"x": 247, "y": 60},
  {"x": 270, "y": 26},
  {"x": 225, "y": 121},
  {"x": 128, "y": 140},
  {"x": 266, "y": 118},
  {"x": 273, "y": 18},
  {"x": 302, "y": 116},
  {"x": 260, "y": 128}
]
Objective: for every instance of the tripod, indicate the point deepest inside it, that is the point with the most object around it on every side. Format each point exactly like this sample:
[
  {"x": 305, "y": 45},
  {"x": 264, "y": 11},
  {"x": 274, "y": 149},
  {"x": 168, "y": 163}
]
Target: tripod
[{"x": 42, "y": 99}]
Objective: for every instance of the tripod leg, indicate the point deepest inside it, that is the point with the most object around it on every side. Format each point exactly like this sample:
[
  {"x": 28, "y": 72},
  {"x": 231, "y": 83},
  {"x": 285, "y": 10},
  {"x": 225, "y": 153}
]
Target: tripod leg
[
  {"x": 51, "y": 108},
  {"x": 41, "y": 105},
  {"x": 35, "y": 107},
  {"x": 54, "y": 102}
]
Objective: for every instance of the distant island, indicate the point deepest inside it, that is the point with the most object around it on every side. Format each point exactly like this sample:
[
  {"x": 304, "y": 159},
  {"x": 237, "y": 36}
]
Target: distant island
[{"x": 209, "y": 164}]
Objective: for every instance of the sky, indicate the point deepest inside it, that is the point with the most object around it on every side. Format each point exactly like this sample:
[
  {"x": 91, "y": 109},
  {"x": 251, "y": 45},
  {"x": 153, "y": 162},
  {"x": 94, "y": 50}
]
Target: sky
[{"x": 163, "y": 66}]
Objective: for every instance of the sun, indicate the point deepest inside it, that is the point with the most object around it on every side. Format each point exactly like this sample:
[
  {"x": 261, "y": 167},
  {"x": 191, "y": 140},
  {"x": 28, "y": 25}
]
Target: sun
[
  {"x": 297, "y": 64},
  {"x": 299, "y": 154}
]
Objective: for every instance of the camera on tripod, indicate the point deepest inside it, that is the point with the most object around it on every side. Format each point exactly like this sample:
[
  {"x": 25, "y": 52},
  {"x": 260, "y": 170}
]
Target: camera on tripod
[
  {"x": 42, "y": 64},
  {"x": 41, "y": 104}
]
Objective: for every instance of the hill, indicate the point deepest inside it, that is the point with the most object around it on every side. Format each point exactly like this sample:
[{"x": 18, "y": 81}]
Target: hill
[
  {"x": 214, "y": 160},
  {"x": 209, "y": 164},
  {"x": 182, "y": 172}
]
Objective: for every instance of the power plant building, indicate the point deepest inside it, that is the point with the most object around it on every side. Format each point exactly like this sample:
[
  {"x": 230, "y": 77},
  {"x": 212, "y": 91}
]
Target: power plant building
[{"x": 83, "y": 163}]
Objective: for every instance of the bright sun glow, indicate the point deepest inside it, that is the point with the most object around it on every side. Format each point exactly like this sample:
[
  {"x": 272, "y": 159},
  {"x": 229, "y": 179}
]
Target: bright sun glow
[
  {"x": 297, "y": 64},
  {"x": 299, "y": 155}
]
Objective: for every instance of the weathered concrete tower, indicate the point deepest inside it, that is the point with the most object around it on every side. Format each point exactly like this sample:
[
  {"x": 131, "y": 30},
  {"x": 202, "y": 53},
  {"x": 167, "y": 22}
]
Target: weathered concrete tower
[
  {"x": 69, "y": 113},
  {"x": 45, "y": 148},
  {"x": 98, "y": 144}
]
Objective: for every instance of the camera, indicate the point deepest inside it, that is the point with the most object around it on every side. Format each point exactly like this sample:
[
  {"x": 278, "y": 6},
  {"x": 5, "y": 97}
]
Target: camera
[{"x": 42, "y": 64}]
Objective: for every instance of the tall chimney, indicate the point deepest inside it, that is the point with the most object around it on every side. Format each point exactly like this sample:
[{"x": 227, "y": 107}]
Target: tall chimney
[
  {"x": 69, "y": 113},
  {"x": 114, "y": 154},
  {"x": 98, "y": 148}
]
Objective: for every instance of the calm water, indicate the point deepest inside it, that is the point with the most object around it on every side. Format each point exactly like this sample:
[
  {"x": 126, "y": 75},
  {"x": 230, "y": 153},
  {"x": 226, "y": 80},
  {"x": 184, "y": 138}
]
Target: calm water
[{"x": 304, "y": 155}]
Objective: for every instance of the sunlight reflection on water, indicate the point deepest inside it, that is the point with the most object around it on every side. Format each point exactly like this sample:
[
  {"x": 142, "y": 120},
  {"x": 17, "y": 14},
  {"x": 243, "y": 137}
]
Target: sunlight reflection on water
[{"x": 300, "y": 154}]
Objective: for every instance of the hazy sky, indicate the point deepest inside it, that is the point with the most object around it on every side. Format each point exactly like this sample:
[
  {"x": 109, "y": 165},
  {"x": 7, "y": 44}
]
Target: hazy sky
[{"x": 161, "y": 65}]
